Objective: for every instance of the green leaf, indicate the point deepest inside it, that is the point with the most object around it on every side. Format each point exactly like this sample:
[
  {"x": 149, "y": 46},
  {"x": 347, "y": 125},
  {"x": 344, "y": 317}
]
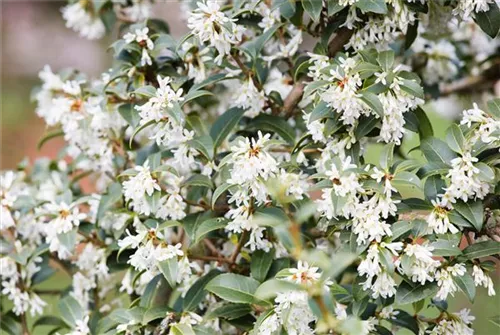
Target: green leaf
[
  {"x": 455, "y": 138},
  {"x": 48, "y": 136},
  {"x": 170, "y": 268},
  {"x": 234, "y": 288},
  {"x": 205, "y": 145},
  {"x": 165, "y": 41},
  {"x": 225, "y": 124},
  {"x": 365, "y": 125},
  {"x": 49, "y": 321},
  {"x": 155, "y": 313},
  {"x": 373, "y": 102},
  {"x": 199, "y": 180},
  {"x": 149, "y": 293},
  {"x": 406, "y": 179},
  {"x": 181, "y": 329},
  {"x": 128, "y": 112},
  {"x": 10, "y": 325},
  {"x": 70, "y": 310},
  {"x": 403, "y": 319},
  {"x": 194, "y": 121},
  {"x": 495, "y": 320},
  {"x": 482, "y": 249},
  {"x": 386, "y": 156},
  {"x": 489, "y": 21},
  {"x": 313, "y": 8},
  {"x": 153, "y": 201},
  {"x": 195, "y": 94},
  {"x": 207, "y": 226},
  {"x": 274, "y": 124},
  {"x": 261, "y": 263},
  {"x": 436, "y": 151},
  {"x": 319, "y": 112},
  {"x": 373, "y": 6},
  {"x": 424, "y": 124},
  {"x": 433, "y": 186},
  {"x": 406, "y": 294},
  {"x": 494, "y": 107},
  {"x": 411, "y": 34},
  {"x": 445, "y": 248},
  {"x": 229, "y": 311},
  {"x": 466, "y": 284},
  {"x": 272, "y": 287},
  {"x": 386, "y": 59},
  {"x": 219, "y": 191},
  {"x": 138, "y": 129},
  {"x": 209, "y": 81},
  {"x": 400, "y": 228},
  {"x": 197, "y": 291},
  {"x": 413, "y": 88},
  {"x": 472, "y": 211},
  {"x": 147, "y": 91}
]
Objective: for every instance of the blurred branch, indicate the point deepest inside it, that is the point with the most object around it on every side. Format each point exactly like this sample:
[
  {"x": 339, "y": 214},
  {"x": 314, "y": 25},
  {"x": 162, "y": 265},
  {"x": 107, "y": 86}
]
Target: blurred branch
[{"x": 482, "y": 82}]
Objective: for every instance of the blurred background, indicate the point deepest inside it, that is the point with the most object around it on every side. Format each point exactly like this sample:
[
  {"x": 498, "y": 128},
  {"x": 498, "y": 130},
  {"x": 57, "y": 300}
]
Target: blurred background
[{"x": 33, "y": 34}]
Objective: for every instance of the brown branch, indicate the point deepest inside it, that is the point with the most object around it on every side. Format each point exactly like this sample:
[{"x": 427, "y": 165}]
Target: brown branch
[
  {"x": 293, "y": 98},
  {"x": 239, "y": 247},
  {"x": 210, "y": 259},
  {"x": 482, "y": 82},
  {"x": 211, "y": 247},
  {"x": 337, "y": 43}
]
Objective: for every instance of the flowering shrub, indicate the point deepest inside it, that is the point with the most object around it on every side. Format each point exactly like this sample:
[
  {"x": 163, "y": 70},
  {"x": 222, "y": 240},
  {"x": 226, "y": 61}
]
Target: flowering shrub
[{"x": 233, "y": 190}]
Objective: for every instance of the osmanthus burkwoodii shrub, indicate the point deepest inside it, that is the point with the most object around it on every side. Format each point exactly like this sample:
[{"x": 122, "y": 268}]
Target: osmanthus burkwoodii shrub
[{"x": 236, "y": 188}]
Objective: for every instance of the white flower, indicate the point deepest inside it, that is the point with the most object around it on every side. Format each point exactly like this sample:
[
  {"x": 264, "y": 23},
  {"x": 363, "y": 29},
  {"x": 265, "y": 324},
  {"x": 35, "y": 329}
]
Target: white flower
[
  {"x": 304, "y": 274},
  {"x": 170, "y": 251},
  {"x": 438, "y": 219},
  {"x": 481, "y": 279},
  {"x": 250, "y": 98},
  {"x": 87, "y": 24},
  {"x": 388, "y": 313},
  {"x": 209, "y": 24},
  {"x": 445, "y": 280}
]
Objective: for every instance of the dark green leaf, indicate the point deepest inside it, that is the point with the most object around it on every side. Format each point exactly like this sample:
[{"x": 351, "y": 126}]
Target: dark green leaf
[
  {"x": 407, "y": 294},
  {"x": 472, "y": 211},
  {"x": 225, "y": 124},
  {"x": 261, "y": 263},
  {"x": 436, "y": 151},
  {"x": 233, "y": 287},
  {"x": 466, "y": 284},
  {"x": 197, "y": 292},
  {"x": 373, "y": 6},
  {"x": 482, "y": 249},
  {"x": 169, "y": 268},
  {"x": 373, "y": 102},
  {"x": 313, "y": 8},
  {"x": 489, "y": 21},
  {"x": 207, "y": 226},
  {"x": 455, "y": 138}
]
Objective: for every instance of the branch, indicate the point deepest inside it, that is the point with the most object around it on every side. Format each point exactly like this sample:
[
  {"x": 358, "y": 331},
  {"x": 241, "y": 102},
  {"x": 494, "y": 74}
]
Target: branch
[
  {"x": 482, "y": 82},
  {"x": 337, "y": 43}
]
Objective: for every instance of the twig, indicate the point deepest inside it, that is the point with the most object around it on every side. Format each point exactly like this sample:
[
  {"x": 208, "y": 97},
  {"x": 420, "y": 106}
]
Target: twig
[
  {"x": 484, "y": 81},
  {"x": 293, "y": 98},
  {"x": 210, "y": 259},
  {"x": 212, "y": 247},
  {"x": 238, "y": 247}
]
